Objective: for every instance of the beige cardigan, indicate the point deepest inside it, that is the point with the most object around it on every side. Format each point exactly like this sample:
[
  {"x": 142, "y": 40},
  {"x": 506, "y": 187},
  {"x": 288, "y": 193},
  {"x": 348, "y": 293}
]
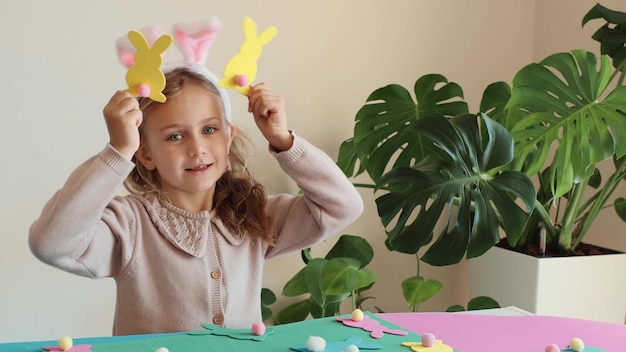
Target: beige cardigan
[{"x": 175, "y": 269}]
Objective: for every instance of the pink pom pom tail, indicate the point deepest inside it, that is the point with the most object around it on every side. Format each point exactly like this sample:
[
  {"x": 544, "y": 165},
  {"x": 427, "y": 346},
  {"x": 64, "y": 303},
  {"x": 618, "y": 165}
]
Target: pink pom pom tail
[
  {"x": 143, "y": 90},
  {"x": 258, "y": 329},
  {"x": 241, "y": 80}
]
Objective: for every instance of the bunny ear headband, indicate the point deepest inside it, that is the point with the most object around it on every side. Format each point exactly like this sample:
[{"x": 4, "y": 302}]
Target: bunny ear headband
[{"x": 142, "y": 51}]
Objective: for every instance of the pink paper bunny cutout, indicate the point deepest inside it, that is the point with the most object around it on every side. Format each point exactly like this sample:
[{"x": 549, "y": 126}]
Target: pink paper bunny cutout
[{"x": 373, "y": 326}]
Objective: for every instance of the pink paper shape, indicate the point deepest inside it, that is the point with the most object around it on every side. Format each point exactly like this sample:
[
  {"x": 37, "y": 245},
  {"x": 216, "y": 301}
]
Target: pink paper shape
[
  {"x": 373, "y": 326},
  {"x": 468, "y": 332},
  {"x": 75, "y": 348}
]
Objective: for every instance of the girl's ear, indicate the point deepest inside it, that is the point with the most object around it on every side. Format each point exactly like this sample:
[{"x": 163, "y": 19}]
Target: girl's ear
[
  {"x": 231, "y": 134},
  {"x": 144, "y": 157}
]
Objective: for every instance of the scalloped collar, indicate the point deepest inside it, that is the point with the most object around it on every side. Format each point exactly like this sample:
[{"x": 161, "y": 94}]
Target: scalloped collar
[{"x": 187, "y": 231}]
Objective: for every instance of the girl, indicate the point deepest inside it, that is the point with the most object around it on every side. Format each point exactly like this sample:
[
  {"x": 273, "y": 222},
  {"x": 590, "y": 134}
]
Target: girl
[{"x": 187, "y": 245}]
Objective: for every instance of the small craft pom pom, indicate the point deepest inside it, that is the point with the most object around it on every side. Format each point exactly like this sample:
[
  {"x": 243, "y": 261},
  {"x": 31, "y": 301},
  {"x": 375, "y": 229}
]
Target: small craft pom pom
[
  {"x": 428, "y": 340},
  {"x": 258, "y": 328},
  {"x": 143, "y": 90},
  {"x": 65, "y": 343},
  {"x": 552, "y": 348},
  {"x": 577, "y": 344},
  {"x": 315, "y": 344},
  {"x": 357, "y": 315},
  {"x": 162, "y": 349},
  {"x": 241, "y": 80},
  {"x": 351, "y": 348}
]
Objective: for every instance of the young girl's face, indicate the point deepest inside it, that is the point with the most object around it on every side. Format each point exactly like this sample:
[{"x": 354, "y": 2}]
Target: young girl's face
[{"x": 186, "y": 140}]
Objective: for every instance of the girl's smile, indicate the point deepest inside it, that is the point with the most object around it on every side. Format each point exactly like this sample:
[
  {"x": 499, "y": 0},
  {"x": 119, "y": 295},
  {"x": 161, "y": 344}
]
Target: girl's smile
[{"x": 198, "y": 169}]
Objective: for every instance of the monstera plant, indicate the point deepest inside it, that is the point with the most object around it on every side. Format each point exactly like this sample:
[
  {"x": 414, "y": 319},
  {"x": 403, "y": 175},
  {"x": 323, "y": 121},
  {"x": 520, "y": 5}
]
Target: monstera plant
[{"x": 525, "y": 167}]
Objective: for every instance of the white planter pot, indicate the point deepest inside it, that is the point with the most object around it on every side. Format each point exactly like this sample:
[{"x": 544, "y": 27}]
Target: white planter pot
[{"x": 585, "y": 287}]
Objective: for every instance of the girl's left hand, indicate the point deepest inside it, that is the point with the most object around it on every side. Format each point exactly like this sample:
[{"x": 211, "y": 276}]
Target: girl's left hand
[{"x": 268, "y": 109}]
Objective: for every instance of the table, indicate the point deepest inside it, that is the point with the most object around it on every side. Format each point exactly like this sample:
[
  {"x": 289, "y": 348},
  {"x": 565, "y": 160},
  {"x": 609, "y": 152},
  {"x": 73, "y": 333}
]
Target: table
[{"x": 506, "y": 329}]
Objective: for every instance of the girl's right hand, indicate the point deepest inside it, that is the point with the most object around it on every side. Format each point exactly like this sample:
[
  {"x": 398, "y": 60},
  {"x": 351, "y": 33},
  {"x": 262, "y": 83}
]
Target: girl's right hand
[{"x": 123, "y": 117}]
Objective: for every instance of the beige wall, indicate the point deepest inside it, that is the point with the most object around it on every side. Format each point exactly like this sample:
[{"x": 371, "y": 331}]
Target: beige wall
[{"x": 59, "y": 69}]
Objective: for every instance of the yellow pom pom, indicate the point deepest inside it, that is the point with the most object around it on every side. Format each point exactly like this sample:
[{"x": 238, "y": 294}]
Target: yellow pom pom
[
  {"x": 357, "y": 315},
  {"x": 65, "y": 343},
  {"x": 577, "y": 344}
]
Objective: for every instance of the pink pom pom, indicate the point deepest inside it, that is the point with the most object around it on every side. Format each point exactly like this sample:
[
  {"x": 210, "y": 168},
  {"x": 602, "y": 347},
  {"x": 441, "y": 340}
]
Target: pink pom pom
[
  {"x": 258, "y": 329},
  {"x": 143, "y": 90},
  {"x": 552, "y": 348},
  {"x": 428, "y": 340},
  {"x": 241, "y": 80}
]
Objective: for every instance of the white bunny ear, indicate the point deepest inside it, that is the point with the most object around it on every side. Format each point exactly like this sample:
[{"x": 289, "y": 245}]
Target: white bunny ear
[
  {"x": 126, "y": 50},
  {"x": 195, "y": 39}
]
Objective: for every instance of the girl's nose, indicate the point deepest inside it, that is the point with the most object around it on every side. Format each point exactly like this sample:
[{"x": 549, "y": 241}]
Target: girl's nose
[{"x": 196, "y": 147}]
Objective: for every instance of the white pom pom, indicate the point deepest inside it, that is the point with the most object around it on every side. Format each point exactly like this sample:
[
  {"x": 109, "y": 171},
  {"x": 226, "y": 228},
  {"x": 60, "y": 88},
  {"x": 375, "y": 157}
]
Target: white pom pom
[{"x": 316, "y": 344}]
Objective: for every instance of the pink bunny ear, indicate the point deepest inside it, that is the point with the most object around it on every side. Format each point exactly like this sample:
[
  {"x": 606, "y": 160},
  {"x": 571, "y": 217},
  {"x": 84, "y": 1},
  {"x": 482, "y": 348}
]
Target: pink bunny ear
[
  {"x": 126, "y": 57},
  {"x": 126, "y": 51},
  {"x": 195, "y": 39}
]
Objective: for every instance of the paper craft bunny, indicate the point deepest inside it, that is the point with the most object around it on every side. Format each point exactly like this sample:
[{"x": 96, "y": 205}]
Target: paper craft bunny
[
  {"x": 373, "y": 326},
  {"x": 241, "y": 70},
  {"x": 144, "y": 75}
]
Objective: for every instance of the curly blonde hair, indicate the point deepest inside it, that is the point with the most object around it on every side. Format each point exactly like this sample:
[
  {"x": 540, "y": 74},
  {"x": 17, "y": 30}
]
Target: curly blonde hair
[{"x": 239, "y": 199}]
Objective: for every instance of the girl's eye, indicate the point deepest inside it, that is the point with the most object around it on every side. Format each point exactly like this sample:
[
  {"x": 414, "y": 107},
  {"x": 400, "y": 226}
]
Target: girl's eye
[
  {"x": 209, "y": 130},
  {"x": 174, "y": 137}
]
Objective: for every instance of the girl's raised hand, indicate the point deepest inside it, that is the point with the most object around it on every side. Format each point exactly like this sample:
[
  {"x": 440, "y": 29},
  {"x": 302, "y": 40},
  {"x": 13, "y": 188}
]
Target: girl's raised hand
[
  {"x": 268, "y": 109},
  {"x": 123, "y": 117}
]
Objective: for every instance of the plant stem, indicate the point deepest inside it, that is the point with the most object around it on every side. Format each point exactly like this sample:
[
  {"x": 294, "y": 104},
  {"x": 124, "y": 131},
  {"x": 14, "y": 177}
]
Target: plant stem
[
  {"x": 415, "y": 307},
  {"x": 417, "y": 258},
  {"x": 602, "y": 197},
  {"x": 571, "y": 213},
  {"x": 547, "y": 221}
]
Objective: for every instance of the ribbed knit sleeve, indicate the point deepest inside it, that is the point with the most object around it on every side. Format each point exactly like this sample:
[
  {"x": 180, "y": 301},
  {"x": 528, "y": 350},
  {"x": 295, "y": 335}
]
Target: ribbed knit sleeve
[
  {"x": 328, "y": 203},
  {"x": 80, "y": 227}
]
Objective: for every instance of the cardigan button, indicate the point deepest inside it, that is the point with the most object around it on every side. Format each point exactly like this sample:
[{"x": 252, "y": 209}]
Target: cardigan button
[
  {"x": 218, "y": 319},
  {"x": 216, "y": 274}
]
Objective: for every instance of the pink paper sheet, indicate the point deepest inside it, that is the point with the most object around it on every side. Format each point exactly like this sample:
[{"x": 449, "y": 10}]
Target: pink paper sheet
[{"x": 495, "y": 333}]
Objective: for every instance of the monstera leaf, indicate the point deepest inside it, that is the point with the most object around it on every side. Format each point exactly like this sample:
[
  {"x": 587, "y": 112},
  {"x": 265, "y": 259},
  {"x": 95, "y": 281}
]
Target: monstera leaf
[
  {"x": 612, "y": 35},
  {"x": 457, "y": 187},
  {"x": 382, "y": 133},
  {"x": 559, "y": 102}
]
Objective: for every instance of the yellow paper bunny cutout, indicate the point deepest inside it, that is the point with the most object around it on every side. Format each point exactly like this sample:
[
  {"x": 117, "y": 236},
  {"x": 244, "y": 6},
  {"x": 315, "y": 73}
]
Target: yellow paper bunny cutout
[
  {"x": 419, "y": 347},
  {"x": 241, "y": 69},
  {"x": 145, "y": 78}
]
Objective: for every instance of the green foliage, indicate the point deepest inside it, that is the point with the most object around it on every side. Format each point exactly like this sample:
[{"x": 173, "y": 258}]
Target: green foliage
[
  {"x": 611, "y": 35},
  {"x": 559, "y": 102},
  {"x": 382, "y": 126},
  {"x": 416, "y": 290},
  {"x": 267, "y": 298},
  {"x": 434, "y": 165},
  {"x": 329, "y": 280},
  {"x": 454, "y": 185},
  {"x": 476, "y": 303}
]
